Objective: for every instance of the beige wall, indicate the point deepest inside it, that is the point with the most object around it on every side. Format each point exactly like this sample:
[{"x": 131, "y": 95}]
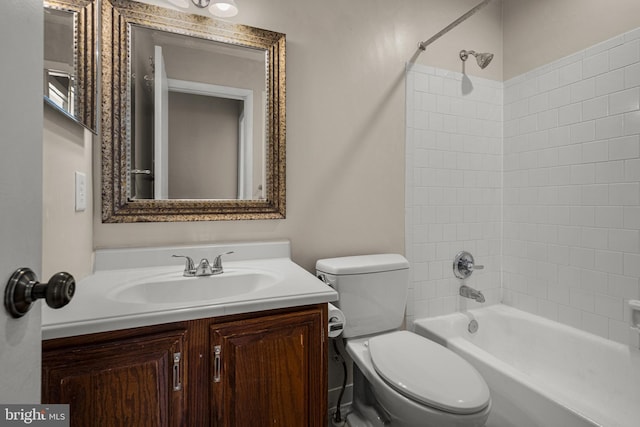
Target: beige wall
[
  {"x": 203, "y": 146},
  {"x": 345, "y": 114},
  {"x": 345, "y": 123},
  {"x": 67, "y": 243},
  {"x": 537, "y": 32}
]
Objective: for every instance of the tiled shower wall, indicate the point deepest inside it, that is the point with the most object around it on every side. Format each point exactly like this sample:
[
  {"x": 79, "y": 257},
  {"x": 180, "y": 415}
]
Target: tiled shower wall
[
  {"x": 544, "y": 189},
  {"x": 571, "y": 248},
  {"x": 454, "y": 186}
]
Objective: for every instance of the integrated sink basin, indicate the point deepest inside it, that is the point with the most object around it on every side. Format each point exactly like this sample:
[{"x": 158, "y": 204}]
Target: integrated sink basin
[{"x": 175, "y": 288}]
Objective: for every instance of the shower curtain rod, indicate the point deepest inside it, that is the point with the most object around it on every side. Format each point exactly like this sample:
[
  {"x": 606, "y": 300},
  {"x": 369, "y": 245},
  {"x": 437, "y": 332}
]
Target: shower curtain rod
[{"x": 423, "y": 45}]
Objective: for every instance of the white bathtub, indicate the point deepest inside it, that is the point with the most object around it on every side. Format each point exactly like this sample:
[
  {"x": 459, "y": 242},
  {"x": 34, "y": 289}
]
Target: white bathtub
[{"x": 542, "y": 373}]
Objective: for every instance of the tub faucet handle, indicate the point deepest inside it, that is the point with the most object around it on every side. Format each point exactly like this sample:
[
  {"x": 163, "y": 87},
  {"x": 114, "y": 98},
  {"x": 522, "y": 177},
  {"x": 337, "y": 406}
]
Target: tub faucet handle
[{"x": 464, "y": 264}]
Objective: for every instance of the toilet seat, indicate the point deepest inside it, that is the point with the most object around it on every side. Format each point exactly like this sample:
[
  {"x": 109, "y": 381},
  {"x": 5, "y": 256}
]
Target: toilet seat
[{"x": 428, "y": 373}]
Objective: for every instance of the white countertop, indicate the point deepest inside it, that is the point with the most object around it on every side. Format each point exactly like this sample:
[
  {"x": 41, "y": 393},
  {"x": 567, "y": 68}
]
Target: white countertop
[{"x": 95, "y": 309}]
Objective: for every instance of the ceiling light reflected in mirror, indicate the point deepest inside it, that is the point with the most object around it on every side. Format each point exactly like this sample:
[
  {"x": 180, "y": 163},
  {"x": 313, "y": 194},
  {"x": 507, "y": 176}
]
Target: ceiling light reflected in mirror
[
  {"x": 224, "y": 8},
  {"x": 217, "y": 8}
]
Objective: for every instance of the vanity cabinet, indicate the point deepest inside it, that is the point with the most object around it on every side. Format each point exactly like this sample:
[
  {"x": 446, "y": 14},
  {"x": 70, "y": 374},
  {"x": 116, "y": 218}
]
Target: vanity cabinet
[
  {"x": 255, "y": 369},
  {"x": 269, "y": 371},
  {"x": 130, "y": 378}
]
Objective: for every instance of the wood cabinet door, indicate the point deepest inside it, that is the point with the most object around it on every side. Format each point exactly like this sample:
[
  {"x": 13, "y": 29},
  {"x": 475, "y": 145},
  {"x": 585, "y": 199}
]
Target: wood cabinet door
[
  {"x": 269, "y": 371},
  {"x": 120, "y": 383}
]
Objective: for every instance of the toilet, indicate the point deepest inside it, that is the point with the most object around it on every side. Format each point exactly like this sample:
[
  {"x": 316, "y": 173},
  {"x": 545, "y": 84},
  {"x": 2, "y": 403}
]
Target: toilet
[{"x": 400, "y": 379}]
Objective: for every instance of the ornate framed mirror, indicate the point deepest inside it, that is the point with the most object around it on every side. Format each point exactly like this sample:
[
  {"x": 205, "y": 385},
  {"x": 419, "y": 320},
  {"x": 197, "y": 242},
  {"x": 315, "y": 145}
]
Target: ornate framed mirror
[
  {"x": 193, "y": 117},
  {"x": 69, "y": 78}
]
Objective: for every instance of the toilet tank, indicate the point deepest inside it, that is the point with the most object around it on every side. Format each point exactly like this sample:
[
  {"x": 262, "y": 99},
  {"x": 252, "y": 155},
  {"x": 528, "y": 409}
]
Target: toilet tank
[{"x": 372, "y": 290}]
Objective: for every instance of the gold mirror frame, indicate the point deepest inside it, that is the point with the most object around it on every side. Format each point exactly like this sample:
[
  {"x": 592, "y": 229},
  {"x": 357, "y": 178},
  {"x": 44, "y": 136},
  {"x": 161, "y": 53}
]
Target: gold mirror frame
[
  {"x": 117, "y": 18},
  {"x": 84, "y": 12}
]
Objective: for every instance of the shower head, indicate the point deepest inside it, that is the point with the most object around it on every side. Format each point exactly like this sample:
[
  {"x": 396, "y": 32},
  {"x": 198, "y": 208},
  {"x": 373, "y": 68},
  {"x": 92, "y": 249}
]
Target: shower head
[{"x": 483, "y": 59}]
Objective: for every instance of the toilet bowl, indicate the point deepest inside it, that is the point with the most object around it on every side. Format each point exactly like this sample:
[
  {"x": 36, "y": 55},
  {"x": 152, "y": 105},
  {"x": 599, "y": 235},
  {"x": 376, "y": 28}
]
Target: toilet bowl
[
  {"x": 400, "y": 378},
  {"x": 417, "y": 383}
]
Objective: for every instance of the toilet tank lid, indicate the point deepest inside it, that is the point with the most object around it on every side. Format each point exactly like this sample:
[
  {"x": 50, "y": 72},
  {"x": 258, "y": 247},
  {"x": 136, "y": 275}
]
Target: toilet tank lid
[{"x": 362, "y": 264}]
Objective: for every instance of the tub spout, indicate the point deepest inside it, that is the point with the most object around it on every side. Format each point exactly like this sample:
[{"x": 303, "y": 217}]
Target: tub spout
[{"x": 471, "y": 293}]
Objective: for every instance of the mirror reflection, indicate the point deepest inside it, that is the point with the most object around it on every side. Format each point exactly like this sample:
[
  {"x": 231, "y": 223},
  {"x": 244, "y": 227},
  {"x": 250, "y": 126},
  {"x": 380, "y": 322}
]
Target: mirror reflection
[
  {"x": 59, "y": 61},
  {"x": 193, "y": 117},
  {"x": 69, "y": 59},
  {"x": 199, "y": 118}
]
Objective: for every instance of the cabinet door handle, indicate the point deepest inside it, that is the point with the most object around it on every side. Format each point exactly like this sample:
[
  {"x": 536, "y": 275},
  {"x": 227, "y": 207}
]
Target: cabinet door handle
[
  {"x": 177, "y": 385},
  {"x": 217, "y": 363}
]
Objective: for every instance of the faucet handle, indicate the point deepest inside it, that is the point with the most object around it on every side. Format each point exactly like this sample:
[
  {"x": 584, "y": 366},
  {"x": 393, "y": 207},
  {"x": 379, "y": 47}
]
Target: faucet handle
[
  {"x": 217, "y": 262},
  {"x": 463, "y": 265},
  {"x": 189, "y": 266}
]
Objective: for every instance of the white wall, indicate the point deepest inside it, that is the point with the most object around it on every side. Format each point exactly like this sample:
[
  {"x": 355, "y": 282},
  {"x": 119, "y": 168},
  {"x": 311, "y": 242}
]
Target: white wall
[
  {"x": 454, "y": 186},
  {"x": 572, "y": 188}
]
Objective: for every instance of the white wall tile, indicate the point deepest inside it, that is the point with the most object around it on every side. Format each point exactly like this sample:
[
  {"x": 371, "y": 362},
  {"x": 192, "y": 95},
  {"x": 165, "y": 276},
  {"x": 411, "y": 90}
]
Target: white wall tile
[
  {"x": 632, "y": 75},
  {"x": 597, "y": 238},
  {"x": 631, "y": 217},
  {"x": 621, "y": 286},
  {"x": 540, "y": 176},
  {"x": 625, "y": 54},
  {"x": 595, "y": 64},
  {"x": 631, "y": 265},
  {"x": 610, "y": 82},
  {"x": 562, "y": 96},
  {"x": 595, "y": 108},
  {"x": 632, "y": 170},
  {"x": 624, "y": 148},
  {"x": 624, "y": 101},
  {"x": 583, "y": 174},
  {"x": 607, "y": 172},
  {"x": 569, "y": 114},
  {"x": 572, "y": 73},
  {"x": 583, "y": 131},
  {"x": 609, "y": 262},
  {"x": 593, "y": 152},
  {"x": 632, "y": 123},
  {"x": 624, "y": 194},
  {"x": 609, "y": 216},
  {"x": 583, "y": 89},
  {"x": 609, "y": 127},
  {"x": 624, "y": 240}
]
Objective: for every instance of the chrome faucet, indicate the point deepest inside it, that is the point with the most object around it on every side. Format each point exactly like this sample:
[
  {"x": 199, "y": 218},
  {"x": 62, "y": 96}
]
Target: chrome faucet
[
  {"x": 204, "y": 268},
  {"x": 469, "y": 292},
  {"x": 463, "y": 266},
  {"x": 189, "y": 266},
  {"x": 217, "y": 263}
]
